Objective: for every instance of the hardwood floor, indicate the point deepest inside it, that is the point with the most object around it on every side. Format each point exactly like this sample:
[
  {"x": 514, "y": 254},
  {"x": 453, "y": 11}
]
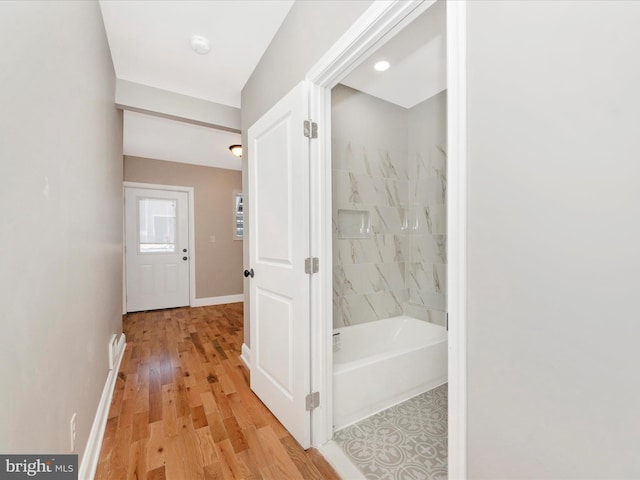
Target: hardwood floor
[{"x": 182, "y": 407}]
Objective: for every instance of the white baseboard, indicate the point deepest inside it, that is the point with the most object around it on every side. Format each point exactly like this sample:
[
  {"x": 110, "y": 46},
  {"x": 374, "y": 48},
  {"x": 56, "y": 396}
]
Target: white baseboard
[
  {"x": 116, "y": 349},
  {"x": 245, "y": 356},
  {"x": 206, "y": 302},
  {"x": 91, "y": 455},
  {"x": 340, "y": 462}
]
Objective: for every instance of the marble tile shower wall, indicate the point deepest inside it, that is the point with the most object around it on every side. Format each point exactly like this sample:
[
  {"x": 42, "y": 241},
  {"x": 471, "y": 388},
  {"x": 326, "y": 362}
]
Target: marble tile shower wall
[
  {"x": 398, "y": 264},
  {"x": 370, "y": 187},
  {"x": 426, "y": 276}
]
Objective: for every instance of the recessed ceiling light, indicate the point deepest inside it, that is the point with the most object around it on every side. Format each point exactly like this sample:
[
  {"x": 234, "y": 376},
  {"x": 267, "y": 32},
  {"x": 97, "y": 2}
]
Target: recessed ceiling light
[
  {"x": 382, "y": 65},
  {"x": 200, "y": 44}
]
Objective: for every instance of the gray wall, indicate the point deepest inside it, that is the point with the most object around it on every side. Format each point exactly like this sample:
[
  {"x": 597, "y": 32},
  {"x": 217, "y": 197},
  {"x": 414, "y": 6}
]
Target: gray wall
[
  {"x": 553, "y": 240},
  {"x": 218, "y": 264},
  {"x": 61, "y": 188},
  {"x": 156, "y": 101},
  {"x": 310, "y": 29}
]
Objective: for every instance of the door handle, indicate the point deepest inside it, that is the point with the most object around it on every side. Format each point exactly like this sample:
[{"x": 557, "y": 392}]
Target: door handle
[
  {"x": 248, "y": 273},
  {"x": 185, "y": 258}
]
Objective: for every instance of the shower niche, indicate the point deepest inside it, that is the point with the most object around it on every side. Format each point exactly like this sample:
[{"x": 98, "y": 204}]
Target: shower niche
[{"x": 354, "y": 224}]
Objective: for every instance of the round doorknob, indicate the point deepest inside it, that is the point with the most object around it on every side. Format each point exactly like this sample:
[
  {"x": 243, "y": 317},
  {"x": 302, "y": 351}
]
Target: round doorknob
[
  {"x": 248, "y": 273},
  {"x": 185, "y": 258},
  {"x": 184, "y": 250}
]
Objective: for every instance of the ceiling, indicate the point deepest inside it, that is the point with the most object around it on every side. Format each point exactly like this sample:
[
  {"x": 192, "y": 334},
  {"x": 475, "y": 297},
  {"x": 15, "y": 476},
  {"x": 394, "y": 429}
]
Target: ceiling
[
  {"x": 150, "y": 43},
  {"x": 417, "y": 55},
  {"x": 160, "y": 138}
]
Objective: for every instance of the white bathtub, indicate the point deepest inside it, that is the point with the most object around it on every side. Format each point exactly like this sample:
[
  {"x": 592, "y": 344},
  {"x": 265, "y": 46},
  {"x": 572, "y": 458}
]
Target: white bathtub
[{"x": 382, "y": 363}]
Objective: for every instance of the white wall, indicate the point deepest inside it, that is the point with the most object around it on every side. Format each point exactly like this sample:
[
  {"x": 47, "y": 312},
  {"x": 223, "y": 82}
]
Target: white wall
[
  {"x": 61, "y": 237},
  {"x": 553, "y": 240}
]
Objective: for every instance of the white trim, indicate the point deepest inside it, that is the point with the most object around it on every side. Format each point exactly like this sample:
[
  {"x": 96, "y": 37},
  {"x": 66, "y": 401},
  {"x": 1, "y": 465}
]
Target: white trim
[
  {"x": 157, "y": 186},
  {"x": 377, "y": 25},
  {"x": 340, "y": 462},
  {"x": 374, "y": 27},
  {"x": 320, "y": 241},
  {"x": 91, "y": 454},
  {"x": 205, "y": 302},
  {"x": 192, "y": 227},
  {"x": 116, "y": 347},
  {"x": 124, "y": 257},
  {"x": 457, "y": 236},
  {"x": 245, "y": 356}
]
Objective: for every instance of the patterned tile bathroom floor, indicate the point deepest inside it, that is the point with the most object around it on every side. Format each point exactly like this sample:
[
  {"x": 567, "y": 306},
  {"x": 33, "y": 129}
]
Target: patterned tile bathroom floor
[{"x": 405, "y": 442}]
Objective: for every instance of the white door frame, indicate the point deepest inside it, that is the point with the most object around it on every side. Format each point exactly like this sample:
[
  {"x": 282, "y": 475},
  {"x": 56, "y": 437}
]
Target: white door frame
[
  {"x": 371, "y": 30},
  {"x": 457, "y": 234},
  {"x": 192, "y": 241}
]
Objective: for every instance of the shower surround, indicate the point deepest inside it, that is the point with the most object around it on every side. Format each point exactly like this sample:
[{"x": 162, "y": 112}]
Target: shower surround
[{"x": 389, "y": 208}]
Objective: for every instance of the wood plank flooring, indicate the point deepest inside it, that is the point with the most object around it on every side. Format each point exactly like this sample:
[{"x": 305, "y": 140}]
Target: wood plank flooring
[{"x": 182, "y": 406}]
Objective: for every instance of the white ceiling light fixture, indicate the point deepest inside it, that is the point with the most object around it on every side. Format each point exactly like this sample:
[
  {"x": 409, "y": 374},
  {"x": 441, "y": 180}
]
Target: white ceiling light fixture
[
  {"x": 382, "y": 66},
  {"x": 200, "y": 44},
  {"x": 236, "y": 150}
]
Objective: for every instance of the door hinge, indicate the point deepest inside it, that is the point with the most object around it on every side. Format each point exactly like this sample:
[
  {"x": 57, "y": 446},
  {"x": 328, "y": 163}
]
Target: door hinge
[
  {"x": 312, "y": 400},
  {"x": 310, "y": 129},
  {"x": 311, "y": 265},
  {"x": 447, "y": 321}
]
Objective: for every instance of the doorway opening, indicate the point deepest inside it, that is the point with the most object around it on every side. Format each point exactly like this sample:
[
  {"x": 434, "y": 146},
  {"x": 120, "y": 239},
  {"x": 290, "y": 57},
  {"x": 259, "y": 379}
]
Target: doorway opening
[
  {"x": 390, "y": 253},
  {"x": 377, "y": 27}
]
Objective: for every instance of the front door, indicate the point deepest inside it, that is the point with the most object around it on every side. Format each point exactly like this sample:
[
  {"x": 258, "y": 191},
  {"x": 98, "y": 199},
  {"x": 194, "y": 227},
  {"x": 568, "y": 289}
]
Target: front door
[
  {"x": 278, "y": 212},
  {"x": 156, "y": 248}
]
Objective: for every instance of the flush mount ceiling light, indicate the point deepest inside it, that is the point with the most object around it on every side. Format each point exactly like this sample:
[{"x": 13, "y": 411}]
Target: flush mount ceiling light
[
  {"x": 200, "y": 44},
  {"x": 236, "y": 150},
  {"x": 382, "y": 65}
]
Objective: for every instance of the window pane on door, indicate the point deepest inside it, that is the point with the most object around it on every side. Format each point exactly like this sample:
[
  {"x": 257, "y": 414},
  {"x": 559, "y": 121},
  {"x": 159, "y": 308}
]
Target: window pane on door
[{"x": 157, "y": 225}]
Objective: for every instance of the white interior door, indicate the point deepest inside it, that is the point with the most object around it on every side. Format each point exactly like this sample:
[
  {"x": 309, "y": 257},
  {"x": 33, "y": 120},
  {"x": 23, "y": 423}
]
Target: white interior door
[
  {"x": 279, "y": 243},
  {"x": 156, "y": 253}
]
